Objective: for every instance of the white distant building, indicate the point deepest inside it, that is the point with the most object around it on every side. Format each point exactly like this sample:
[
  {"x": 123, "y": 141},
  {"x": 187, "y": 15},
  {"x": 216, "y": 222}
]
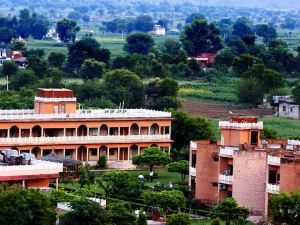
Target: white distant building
[
  {"x": 52, "y": 35},
  {"x": 286, "y": 107},
  {"x": 158, "y": 30}
]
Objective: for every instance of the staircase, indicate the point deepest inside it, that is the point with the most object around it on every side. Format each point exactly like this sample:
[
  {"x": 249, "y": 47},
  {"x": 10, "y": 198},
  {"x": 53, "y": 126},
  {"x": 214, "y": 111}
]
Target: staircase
[{"x": 121, "y": 165}]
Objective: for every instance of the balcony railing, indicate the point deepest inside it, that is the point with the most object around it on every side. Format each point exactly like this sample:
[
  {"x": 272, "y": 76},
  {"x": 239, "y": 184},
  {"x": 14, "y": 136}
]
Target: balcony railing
[
  {"x": 275, "y": 161},
  {"x": 224, "y": 179},
  {"x": 84, "y": 139},
  {"x": 273, "y": 188},
  {"x": 42, "y": 99},
  {"x": 241, "y": 126},
  {"x": 38, "y": 167},
  {"x": 227, "y": 151},
  {"x": 193, "y": 171},
  {"x": 293, "y": 142},
  {"x": 85, "y": 114}
]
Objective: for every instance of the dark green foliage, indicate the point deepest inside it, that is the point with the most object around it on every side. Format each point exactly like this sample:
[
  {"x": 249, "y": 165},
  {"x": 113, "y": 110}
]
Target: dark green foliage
[
  {"x": 23, "y": 207},
  {"x": 84, "y": 49},
  {"x": 67, "y": 30},
  {"x": 9, "y": 68},
  {"x": 165, "y": 199},
  {"x": 38, "y": 65},
  {"x": 216, "y": 221},
  {"x": 56, "y": 59},
  {"x": 151, "y": 157},
  {"x": 284, "y": 208},
  {"x": 17, "y": 100},
  {"x": 296, "y": 93},
  {"x": 91, "y": 69},
  {"x": 121, "y": 214},
  {"x": 265, "y": 31},
  {"x": 195, "y": 127},
  {"x": 229, "y": 211},
  {"x": 61, "y": 196},
  {"x": 85, "y": 212},
  {"x": 143, "y": 23},
  {"x": 23, "y": 78},
  {"x": 17, "y": 45},
  {"x": 6, "y": 35},
  {"x": 269, "y": 133},
  {"x": 224, "y": 58},
  {"x": 102, "y": 162},
  {"x": 201, "y": 37},
  {"x": 181, "y": 167},
  {"x": 140, "y": 43},
  {"x": 193, "y": 17},
  {"x": 124, "y": 86},
  {"x": 142, "y": 219},
  {"x": 242, "y": 27},
  {"x": 179, "y": 219},
  {"x": 250, "y": 91},
  {"x": 243, "y": 62},
  {"x": 86, "y": 176}
]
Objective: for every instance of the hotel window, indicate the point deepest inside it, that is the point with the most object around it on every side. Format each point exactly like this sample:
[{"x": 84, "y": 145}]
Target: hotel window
[
  {"x": 93, "y": 131},
  {"x": 94, "y": 152},
  {"x": 284, "y": 108}
]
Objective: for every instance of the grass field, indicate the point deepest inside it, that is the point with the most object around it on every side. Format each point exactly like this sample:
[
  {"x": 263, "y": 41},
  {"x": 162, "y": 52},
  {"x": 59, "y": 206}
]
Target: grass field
[{"x": 114, "y": 43}]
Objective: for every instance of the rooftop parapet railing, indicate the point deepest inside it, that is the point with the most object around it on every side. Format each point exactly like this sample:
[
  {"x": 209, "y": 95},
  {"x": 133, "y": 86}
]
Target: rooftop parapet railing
[
  {"x": 275, "y": 161},
  {"x": 241, "y": 126},
  {"x": 38, "y": 167},
  {"x": 228, "y": 151},
  {"x": 83, "y": 139},
  {"x": 85, "y": 114},
  {"x": 293, "y": 142},
  {"x": 225, "y": 179},
  {"x": 273, "y": 188},
  {"x": 43, "y": 99}
]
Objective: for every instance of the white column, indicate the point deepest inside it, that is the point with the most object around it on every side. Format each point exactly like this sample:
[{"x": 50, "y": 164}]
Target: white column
[
  {"x": 30, "y": 132},
  {"x": 118, "y": 153},
  {"x": 88, "y": 131},
  {"x": 107, "y": 154},
  {"x": 87, "y": 154},
  {"x": 56, "y": 183},
  {"x": 128, "y": 151},
  {"x": 139, "y": 150},
  {"x": 64, "y": 132},
  {"x": 8, "y": 133},
  {"x": 98, "y": 153},
  {"x": 23, "y": 184},
  {"x": 64, "y": 150},
  {"x": 76, "y": 152},
  {"x": 42, "y": 132}
]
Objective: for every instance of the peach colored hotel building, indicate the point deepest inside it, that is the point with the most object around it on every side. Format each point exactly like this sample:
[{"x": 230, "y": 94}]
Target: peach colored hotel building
[
  {"x": 55, "y": 124},
  {"x": 243, "y": 166}
]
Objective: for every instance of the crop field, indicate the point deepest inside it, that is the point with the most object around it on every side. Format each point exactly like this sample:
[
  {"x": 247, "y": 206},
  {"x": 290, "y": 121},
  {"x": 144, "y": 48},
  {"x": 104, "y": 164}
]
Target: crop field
[{"x": 221, "y": 90}]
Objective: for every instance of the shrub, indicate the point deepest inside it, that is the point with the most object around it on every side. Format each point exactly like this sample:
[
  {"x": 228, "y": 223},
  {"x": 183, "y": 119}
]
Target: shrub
[
  {"x": 179, "y": 219},
  {"x": 142, "y": 219},
  {"x": 102, "y": 162},
  {"x": 216, "y": 221}
]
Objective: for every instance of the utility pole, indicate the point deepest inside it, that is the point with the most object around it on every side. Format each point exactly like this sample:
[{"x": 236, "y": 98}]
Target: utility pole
[{"x": 7, "y": 82}]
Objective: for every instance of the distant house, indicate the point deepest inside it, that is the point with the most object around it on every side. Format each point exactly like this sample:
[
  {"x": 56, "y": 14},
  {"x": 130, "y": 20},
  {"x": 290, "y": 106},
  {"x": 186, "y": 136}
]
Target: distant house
[
  {"x": 204, "y": 59},
  {"x": 286, "y": 107},
  {"x": 158, "y": 30},
  {"x": 52, "y": 35},
  {"x": 16, "y": 56}
]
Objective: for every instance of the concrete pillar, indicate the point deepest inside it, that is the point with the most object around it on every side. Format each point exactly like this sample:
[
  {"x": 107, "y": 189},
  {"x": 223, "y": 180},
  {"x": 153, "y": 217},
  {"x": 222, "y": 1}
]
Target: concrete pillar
[
  {"x": 56, "y": 183},
  {"x": 119, "y": 131},
  {"x": 139, "y": 150},
  {"x": 23, "y": 184},
  {"x": 64, "y": 150},
  {"x": 87, "y": 154},
  {"x": 128, "y": 152},
  {"x": 30, "y": 133},
  {"x": 65, "y": 132},
  {"x": 19, "y": 132},
  {"x": 42, "y": 132},
  {"x": 118, "y": 153},
  {"x": 88, "y": 131},
  {"x": 76, "y": 153},
  {"x": 8, "y": 133},
  {"x": 98, "y": 153},
  {"x": 107, "y": 154},
  {"x": 139, "y": 130}
]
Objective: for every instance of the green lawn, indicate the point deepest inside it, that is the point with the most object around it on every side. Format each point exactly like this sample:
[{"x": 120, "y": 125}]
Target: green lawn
[{"x": 48, "y": 46}]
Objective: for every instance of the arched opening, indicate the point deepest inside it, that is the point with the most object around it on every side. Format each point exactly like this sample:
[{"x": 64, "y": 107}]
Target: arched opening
[
  {"x": 104, "y": 130},
  {"x": 14, "y": 131},
  {"x": 134, "y": 129},
  {"x": 154, "y": 129},
  {"x": 103, "y": 151},
  {"x": 82, "y": 131},
  {"x": 134, "y": 150},
  {"x": 37, "y": 152},
  {"x": 82, "y": 153},
  {"x": 36, "y": 131},
  {"x": 154, "y": 146}
]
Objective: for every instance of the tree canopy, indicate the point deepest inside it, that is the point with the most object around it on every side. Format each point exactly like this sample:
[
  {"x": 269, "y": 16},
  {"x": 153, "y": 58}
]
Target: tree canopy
[
  {"x": 152, "y": 156},
  {"x": 140, "y": 43},
  {"x": 181, "y": 167},
  {"x": 67, "y": 30}
]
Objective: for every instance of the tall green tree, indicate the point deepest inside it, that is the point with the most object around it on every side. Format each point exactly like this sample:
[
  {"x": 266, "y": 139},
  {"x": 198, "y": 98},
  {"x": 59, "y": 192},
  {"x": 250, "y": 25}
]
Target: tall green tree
[
  {"x": 265, "y": 31},
  {"x": 56, "y": 59},
  {"x": 86, "y": 176},
  {"x": 250, "y": 91},
  {"x": 91, "y": 69},
  {"x": 85, "y": 212},
  {"x": 124, "y": 86},
  {"x": 67, "y": 30},
  {"x": 140, "y": 43},
  {"x": 242, "y": 27},
  {"x": 201, "y": 37},
  {"x": 181, "y": 167},
  {"x": 152, "y": 156},
  {"x": 23, "y": 207},
  {"x": 9, "y": 68},
  {"x": 6, "y": 35},
  {"x": 143, "y": 23},
  {"x": 121, "y": 214},
  {"x": 38, "y": 65},
  {"x": 284, "y": 208},
  {"x": 186, "y": 128},
  {"x": 179, "y": 219},
  {"x": 23, "y": 78},
  {"x": 229, "y": 211}
]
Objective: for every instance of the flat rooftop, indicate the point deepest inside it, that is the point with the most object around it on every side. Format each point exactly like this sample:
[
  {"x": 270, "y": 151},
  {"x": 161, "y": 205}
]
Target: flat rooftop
[{"x": 28, "y": 114}]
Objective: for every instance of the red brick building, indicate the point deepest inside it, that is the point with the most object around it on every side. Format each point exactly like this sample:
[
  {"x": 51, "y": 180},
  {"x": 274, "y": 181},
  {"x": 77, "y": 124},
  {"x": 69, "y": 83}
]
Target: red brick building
[{"x": 243, "y": 166}]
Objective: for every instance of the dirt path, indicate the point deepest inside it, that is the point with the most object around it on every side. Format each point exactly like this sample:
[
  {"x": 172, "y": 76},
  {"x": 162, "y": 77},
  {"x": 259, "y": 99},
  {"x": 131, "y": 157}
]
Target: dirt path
[{"x": 216, "y": 110}]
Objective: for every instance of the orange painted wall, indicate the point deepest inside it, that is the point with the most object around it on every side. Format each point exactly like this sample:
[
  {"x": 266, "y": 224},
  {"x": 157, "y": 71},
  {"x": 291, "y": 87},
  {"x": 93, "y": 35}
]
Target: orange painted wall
[
  {"x": 237, "y": 137},
  {"x": 38, "y": 183},
  {"x": 289, "y": 176},
  {"x": 206, "y": 173}
]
